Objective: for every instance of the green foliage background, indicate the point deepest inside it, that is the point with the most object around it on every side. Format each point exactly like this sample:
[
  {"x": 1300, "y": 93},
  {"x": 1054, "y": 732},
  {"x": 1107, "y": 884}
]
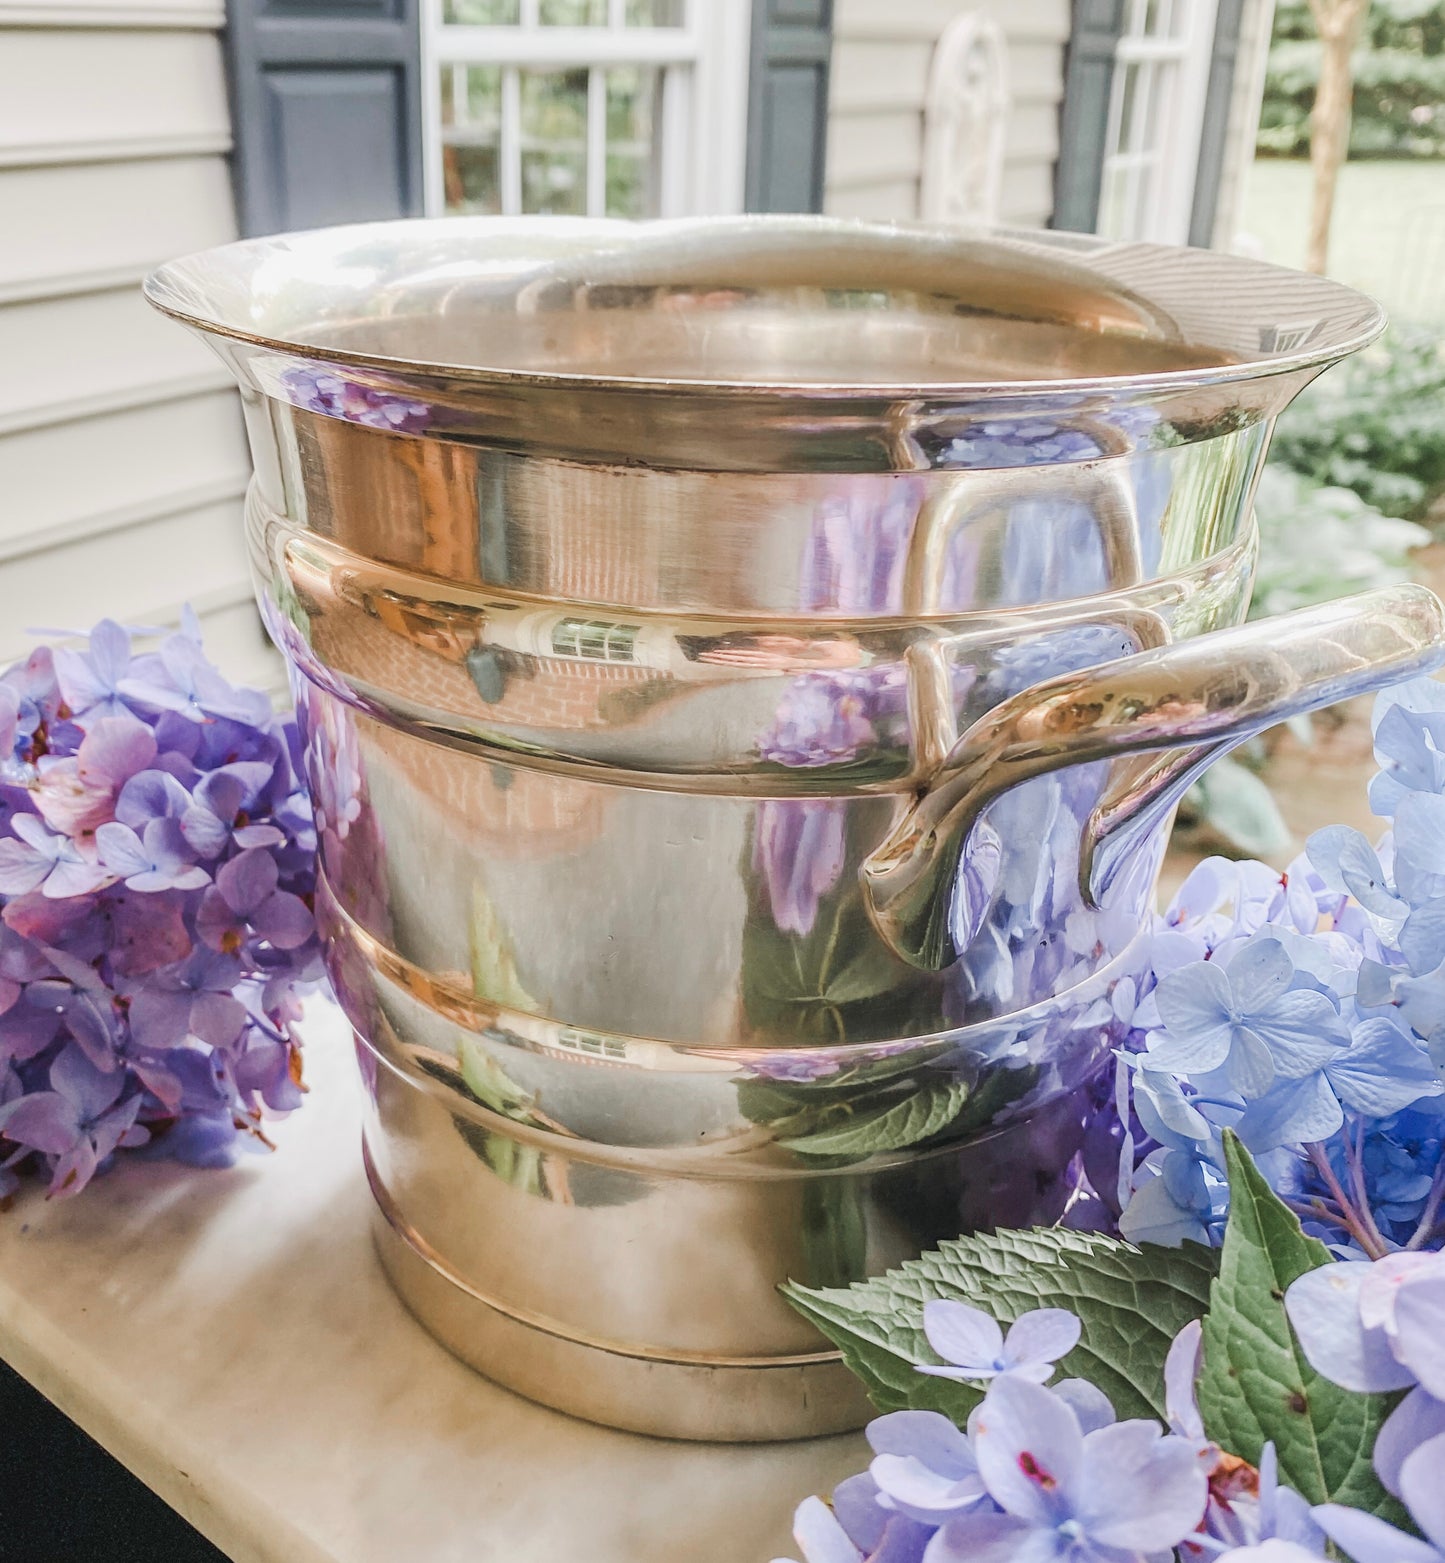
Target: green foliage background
[{"x": 1399, "y": 102}]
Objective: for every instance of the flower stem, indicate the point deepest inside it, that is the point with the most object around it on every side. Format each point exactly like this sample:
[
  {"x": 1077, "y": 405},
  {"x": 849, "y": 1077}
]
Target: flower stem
[
  {"x": 1316, "y": 1210},
  {"x": 1372, "y": 1244},
  {"x": 1425, "y": 1229},
  {"x": 1355, "y": 1156}
]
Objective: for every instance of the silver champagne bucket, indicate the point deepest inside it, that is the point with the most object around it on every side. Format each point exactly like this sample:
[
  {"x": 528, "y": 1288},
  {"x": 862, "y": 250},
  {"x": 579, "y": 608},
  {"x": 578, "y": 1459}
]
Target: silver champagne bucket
[{"x": 746, "y": 670}]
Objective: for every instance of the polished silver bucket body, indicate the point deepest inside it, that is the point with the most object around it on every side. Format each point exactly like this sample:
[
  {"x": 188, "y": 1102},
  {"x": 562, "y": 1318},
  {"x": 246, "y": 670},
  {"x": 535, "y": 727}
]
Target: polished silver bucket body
[{"x": 746, "y": 670}]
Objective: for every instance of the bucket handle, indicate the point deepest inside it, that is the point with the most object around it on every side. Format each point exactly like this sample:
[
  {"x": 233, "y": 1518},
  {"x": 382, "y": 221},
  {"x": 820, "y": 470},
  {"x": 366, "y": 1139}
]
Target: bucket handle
[{"x": 1163, "y": 715}]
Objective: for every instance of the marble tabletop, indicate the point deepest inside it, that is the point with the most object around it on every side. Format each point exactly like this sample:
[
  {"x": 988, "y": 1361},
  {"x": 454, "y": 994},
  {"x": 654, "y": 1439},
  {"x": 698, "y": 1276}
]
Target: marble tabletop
[{"x": 229, "y": 1336}]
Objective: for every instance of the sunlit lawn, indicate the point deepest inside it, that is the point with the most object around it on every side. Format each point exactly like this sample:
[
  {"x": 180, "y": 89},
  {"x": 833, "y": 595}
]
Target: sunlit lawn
[{"x": 1389, "y": 227}]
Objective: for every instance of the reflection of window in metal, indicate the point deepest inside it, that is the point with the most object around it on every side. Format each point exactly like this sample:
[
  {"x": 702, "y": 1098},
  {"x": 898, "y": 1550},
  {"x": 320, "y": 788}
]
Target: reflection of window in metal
[
  {"x": 1156, "y": 117},
  {"x": 588, "y": 1042},
  {"x": 595, "y": 641},
  {"x": 618, "y": 108}
]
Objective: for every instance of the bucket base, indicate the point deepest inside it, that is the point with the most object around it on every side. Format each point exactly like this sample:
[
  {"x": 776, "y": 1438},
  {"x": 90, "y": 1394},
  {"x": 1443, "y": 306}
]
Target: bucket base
[{"x": 725, "y": 1400}]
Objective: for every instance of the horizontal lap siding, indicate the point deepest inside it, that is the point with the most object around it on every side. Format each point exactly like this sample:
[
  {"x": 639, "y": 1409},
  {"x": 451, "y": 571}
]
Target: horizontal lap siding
[
  {"x": 122, "y": 454},
  {"x": 881, "y": 54}
]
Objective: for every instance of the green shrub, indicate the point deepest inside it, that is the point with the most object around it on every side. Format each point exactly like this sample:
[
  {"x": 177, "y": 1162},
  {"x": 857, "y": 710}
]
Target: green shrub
[
  {"x": 1375, "y": 425},
  {"x": 1399, "y": 98}
]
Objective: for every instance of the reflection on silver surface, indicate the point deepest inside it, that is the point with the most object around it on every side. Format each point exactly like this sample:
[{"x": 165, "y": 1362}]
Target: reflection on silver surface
[{"x": 746, "y": 670}]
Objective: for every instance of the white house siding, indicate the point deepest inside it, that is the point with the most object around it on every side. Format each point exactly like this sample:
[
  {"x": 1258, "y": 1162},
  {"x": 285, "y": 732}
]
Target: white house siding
[
  {"x": 881, "y": 53},
  {"x": 122, "y": 455}
]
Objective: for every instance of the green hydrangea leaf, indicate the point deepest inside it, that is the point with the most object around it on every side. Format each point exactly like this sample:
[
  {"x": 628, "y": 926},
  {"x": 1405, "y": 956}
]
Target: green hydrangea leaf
[
  {"x": 1131, "y": 1302},
  {"x": 1257, "y": 1385}
]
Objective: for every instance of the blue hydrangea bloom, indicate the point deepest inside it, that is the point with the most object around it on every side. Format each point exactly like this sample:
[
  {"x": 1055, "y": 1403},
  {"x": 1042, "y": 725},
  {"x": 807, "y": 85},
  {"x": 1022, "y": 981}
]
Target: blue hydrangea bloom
[
  {"x": 1247, "y": 1024},
  {"x": 973, "y": 1346}
]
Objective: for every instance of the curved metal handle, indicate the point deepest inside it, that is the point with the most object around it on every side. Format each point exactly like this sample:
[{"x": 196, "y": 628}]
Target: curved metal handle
[{"x": 1201, "y": 696}]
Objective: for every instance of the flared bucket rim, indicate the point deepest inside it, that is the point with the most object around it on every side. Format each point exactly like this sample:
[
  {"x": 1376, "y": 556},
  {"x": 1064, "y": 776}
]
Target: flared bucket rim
[{"x": 1297, "y": 322}]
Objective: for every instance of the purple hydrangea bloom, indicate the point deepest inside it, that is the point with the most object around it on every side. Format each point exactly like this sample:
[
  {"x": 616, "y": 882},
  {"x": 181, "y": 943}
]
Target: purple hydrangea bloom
[
  {"x": 78, "y": 1122},
  {"x": 160, "y": 858},
  {"x": 1123, "y": 1491},
  {"x": 973, "y": 1346},
  {"x": 34, "y": 858},
  {"x": 157, "y": 864}
]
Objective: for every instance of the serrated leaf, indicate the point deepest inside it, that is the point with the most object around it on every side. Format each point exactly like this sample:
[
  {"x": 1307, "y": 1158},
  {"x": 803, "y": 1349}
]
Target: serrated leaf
[
  {"x": 1131, "y": 1302},
  {"x": 919, "y": 1116},
  {"x": 1257, "y": 1385}
]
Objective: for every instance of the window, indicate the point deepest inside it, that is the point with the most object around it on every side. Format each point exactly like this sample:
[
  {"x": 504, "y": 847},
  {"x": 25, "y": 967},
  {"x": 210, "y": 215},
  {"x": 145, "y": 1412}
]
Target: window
[
  {"x": 1156, "y": 115},
  {"x": 616, "y": 108}
]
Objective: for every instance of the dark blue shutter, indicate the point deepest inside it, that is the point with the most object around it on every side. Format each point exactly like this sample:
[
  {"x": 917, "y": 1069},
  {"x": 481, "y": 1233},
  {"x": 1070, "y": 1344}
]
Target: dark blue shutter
[
  {"x": 1217, "y": 101},
  {"x": 326, "y": 111},
  {"x": 792, "y": 43},
  {"x": 1084, "y": 118}
]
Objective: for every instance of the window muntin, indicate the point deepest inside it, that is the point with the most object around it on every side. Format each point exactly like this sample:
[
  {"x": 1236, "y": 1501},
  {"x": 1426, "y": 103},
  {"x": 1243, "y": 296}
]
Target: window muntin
[{"x": 585, "y": 107}]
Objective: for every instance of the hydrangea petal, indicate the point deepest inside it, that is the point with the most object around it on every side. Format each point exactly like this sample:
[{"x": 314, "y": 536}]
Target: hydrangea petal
[
  {"x": 1302, "y": 1031},
  {"x": 1324, "y": 1308},
  {"x": 964, "y": 1336},
  {"x": 1087, "y": 1401},
  {"x": 1422, "y": 1487},
  {"x": 1383, "y": 1070},
  {"x": 89, "y": 1089},
  {"x": 928, "y": 1436},
  {"x": 992, "y": 1538},
  {"x": 1371, "y": 1540},
  {"x": 1272, "y": 1550},
  {"x": 1029, "y": 1449},
  {"x": 1196, "y": 1004},
  {"x": 1153, "y": 1215},
  {"x": 855, "y": 1503},
  {"x": 1350, "y": 865},
  {"x": 1420, "y": 1331},
  {"x": 1140, "y": 1490},
  {"x": 821, "y": 1537},
  {"x": 1420, "y": 847},
  {"x": 1259, "y": 974},
  {"x": 43, "y": 1120},
  {"x": 284, "y": 921},
  {"x": 1417, "y": 1419},
  {"x": 1296, "y": 1112},
  {"x": 1181, "y": 1372},
  {"x": 921, "y": 1493},
  {"x": 246, "y": 881},
  {"x": 1250, "y": 1067},
  {"x": 22, "y": 868},
  {"x": 1042, "y": 1335}
]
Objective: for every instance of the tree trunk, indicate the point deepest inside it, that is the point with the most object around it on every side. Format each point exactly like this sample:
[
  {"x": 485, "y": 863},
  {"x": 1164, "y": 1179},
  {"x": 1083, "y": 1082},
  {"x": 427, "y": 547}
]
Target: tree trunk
[{"x": 1339, "y": 23}]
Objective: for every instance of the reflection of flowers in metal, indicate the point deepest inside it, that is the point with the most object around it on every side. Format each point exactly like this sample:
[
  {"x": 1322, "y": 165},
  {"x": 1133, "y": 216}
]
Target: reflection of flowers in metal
[
  {"x": 1033, "y": 659},
  {"x": 348, "y": 835},
  {"x": 1026, "y": 443},
  {"x": 1018, "y": 910},
  {"x": 336, "y": 396},
  {"x": 854, "y": 558},
  {"x": 1037, "y": 441},
  {"x": 829, "y": 718},
  {"x": 798, "y": 850}
]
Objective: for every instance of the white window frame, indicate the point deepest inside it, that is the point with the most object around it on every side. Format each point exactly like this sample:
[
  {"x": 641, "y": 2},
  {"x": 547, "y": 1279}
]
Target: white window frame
[
  {"x": 702, "y": 132},
  {"x": 1173, "y": 67}
]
